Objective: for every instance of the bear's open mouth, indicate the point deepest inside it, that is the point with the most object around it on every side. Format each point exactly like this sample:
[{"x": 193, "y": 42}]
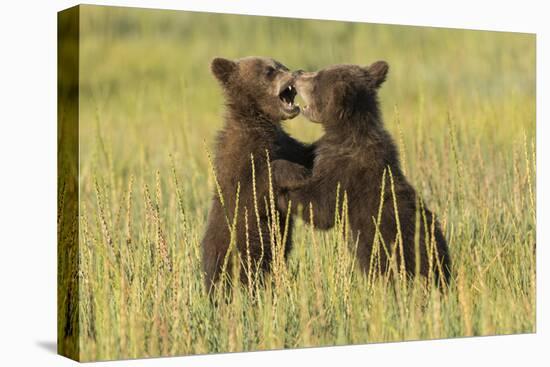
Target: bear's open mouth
[{"x": 287, "y": 96}]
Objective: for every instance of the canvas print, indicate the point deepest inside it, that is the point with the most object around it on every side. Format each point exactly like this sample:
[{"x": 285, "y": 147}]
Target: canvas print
[{"x": 232, "y": 183}]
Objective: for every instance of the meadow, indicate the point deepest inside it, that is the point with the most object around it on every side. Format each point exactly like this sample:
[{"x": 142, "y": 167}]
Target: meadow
[{"x": 460, "y": 104}]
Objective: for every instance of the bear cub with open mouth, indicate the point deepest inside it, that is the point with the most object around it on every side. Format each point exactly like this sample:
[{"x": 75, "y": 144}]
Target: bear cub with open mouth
[
  {"x": 357, "y": 153},
  {"x": 259, "y": 93}
]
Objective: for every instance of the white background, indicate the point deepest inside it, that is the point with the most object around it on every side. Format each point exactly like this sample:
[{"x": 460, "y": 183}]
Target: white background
[{"x": 28, "y": 182}]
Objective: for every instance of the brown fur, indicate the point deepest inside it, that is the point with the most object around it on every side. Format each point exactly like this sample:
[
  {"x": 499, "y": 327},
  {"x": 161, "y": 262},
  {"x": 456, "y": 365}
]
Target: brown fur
[
  {"x": 354, "y": 153},
  {"x": 252, "y": 126}
]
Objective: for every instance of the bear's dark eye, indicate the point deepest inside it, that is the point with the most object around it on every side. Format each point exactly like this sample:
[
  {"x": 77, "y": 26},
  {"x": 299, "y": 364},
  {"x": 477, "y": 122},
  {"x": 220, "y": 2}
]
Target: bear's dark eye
[{"x": 269, "y": 71}]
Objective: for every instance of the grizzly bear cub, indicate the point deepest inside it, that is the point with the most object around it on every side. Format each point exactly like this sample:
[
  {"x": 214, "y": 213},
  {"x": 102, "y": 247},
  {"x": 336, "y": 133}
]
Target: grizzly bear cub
[
  {"x": 259, "y": 94},
  {"x": 356, "y": 153}
]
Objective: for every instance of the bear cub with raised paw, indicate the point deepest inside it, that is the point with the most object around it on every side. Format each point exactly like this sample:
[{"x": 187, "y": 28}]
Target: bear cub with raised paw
[{"x": 356, "y": 154}]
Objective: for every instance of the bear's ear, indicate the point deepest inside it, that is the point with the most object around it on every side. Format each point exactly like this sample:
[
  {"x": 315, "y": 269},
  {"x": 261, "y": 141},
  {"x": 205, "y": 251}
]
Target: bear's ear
[
  {"x": 222, "y": 69},
  {"x": 378, "y": 72}
]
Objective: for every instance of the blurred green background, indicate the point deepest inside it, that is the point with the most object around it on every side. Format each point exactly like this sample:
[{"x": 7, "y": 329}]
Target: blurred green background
[{"x": 147, "y": 72}]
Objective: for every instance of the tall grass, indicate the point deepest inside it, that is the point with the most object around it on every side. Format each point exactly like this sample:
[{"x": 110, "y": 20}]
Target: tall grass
[{"x": 460, "y": 104}]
